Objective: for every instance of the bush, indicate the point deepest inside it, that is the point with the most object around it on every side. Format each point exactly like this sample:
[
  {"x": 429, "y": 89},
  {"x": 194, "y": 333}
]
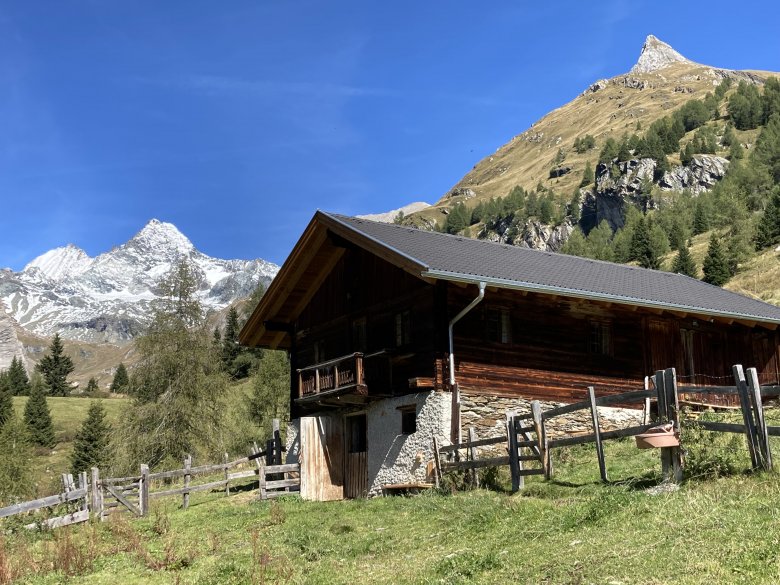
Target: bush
[{"x": 709, "y": 454}]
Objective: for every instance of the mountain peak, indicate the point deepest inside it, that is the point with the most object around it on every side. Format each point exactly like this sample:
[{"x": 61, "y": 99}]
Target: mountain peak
[
  {"x": 62, "y": 262},
  {"x": 655, "y": 55},
  {"x": 158, "y": 234}
]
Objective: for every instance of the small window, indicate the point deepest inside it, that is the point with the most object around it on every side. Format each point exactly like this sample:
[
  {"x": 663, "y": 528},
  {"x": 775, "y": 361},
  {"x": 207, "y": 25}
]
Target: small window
[
  {"x": 498, "y": 326},
  {"x": 403, "y": 328},
  {"x": 600, "y": 338},
  {"x": 359, "y": 342},
  {"x": 408, "y": 419}
]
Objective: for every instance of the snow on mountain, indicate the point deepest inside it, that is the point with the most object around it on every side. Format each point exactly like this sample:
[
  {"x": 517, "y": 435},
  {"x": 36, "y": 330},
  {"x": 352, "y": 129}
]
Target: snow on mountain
[
  {"x": 389, "y": 216},
  {"x": 109, "y": 297}
]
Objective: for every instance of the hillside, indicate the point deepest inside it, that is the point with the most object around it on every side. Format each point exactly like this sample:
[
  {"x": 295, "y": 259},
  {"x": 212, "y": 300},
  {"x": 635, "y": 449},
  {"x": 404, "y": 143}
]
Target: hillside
[{"x": 659, "y": 83}]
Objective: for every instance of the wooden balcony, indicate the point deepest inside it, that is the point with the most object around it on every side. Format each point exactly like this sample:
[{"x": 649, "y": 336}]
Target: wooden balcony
[{"x": 337, "y": 381}]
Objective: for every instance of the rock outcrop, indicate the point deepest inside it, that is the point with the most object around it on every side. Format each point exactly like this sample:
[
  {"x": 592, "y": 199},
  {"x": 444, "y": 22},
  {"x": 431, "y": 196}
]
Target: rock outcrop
[
  {"x": 10, "y": 345},
  {"x": 700, "y": 175},
  {"x": 541, "y": 236}
]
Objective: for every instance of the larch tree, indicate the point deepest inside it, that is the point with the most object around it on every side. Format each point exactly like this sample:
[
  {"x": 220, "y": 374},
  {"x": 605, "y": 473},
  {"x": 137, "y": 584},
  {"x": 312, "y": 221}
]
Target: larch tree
[
  {"x": 55, "y": 367},
  {"x": 178, "y": 383}
]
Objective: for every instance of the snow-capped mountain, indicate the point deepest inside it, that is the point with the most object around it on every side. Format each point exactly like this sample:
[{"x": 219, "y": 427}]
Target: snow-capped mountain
[{"x": 108, "y": 298}]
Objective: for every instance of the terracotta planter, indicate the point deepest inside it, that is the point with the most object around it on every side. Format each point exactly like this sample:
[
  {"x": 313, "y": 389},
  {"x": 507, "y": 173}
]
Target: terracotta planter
[{"x": 660, "y": 436}]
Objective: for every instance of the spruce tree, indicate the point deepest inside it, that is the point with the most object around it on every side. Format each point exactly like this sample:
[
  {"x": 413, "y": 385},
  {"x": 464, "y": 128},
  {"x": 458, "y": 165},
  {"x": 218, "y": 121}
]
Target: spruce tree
[
  {"x": 121, "y": 380},
  {"x": 683, "y": 263},
  {"x": 701, "y": 219},
  {"x": 716, "y": 267},
  {"x": 230, "y": 347},
  {"x": 642, "y": 248},
  {"x": 55, "y": 368},
  {"x": 92, "y": 386},
  {"x": 92, "y": 444},
  {"x": 768, "y": 232},
  {"x": 17, "y": 376},
  {"x": 38, "y": 418},
  {"x": 6, "y": 402}
]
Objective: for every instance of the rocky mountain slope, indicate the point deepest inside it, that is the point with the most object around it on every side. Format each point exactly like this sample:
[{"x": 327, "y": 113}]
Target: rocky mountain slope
[
  {"x": 661, "y": 81},
  {"x": 10, "y": 346},
  {"x": 108, "y": 298}
]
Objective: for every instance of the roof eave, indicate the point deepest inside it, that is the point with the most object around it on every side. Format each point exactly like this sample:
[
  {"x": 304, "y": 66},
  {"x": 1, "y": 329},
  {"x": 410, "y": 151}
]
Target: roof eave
[{"x": 593, "y": 296}]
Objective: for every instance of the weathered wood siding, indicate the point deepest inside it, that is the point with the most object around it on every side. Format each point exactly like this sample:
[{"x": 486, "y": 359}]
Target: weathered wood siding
[
  {"x": 365, "y": 288},
  {"x": 549, "y": 351},
  {"x": 322, "y": 458}
]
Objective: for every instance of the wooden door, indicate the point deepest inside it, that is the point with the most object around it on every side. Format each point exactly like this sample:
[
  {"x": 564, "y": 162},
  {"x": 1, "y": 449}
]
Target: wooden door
[
  {"x": 356, "y": 460},
  {"x": 322, "y": 458}
]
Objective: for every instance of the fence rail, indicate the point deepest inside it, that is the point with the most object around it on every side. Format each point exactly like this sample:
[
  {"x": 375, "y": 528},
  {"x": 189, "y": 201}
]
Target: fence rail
[{"x": 103, "y": 496}]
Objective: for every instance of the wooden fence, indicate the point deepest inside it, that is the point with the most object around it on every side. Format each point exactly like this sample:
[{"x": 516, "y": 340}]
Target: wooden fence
[
  {"x": 527, "y": 438},
  {"x": 103, "y": 496}
]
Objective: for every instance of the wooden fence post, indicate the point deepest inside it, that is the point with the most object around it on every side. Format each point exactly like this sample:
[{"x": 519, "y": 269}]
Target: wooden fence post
[
  {"x": 673, "y": 410},
  {"x": 758, "y": 406},
  {"x": 541, "y": 437},
  {"x": 436, "y": 463},
  {"x": 514, "y": 457},
  {"x": 597, "y": 432},
  {"x": 472, "y": 436},
  {"x": 747, "y": 414},
  {"x": 225, "y": 459},
  {"x": 185, "y": 502},
  {"x": 663, "y": 416},
  {"x": 277, "y": 442},
  {"x": 84, "y": 485},
  {"x": 143, "y": 490},
  {"x": 97, "y": 494}
]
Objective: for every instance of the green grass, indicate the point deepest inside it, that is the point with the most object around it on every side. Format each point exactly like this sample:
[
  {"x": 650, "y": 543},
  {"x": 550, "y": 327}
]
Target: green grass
[
  {"x": 67, "y": 415},
  {"x": 570, "y": 530}
]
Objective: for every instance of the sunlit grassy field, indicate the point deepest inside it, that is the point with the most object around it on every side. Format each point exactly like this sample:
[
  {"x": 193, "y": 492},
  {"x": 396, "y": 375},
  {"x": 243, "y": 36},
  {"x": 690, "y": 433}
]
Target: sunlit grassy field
[{"x": 570, "y": 530}]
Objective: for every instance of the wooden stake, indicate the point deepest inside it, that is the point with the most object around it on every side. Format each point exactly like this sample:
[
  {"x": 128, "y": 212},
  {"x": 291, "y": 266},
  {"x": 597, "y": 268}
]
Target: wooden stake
[
  {"x": 143, "y": 490},
  {"x": 473, "y": 457},
  {"x": 541, "y": 438},
  {"x": 185, "y": 497},
  {"x": 663, "y": 417},
  {"x": 97, "y": 494},
  {"x": 597, "y": 432},
  {"x": 225, "y": 459},
  {"x": 436, "y": 462},
  {"x": 758, "y": 407},
  {"x": 747, "y": 414},
  {"x": 673, "y": 410},
  {"x": 514, "y": 461}
]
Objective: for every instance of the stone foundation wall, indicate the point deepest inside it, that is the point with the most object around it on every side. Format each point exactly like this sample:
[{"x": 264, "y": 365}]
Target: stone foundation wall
[
  {"x": 397, "y": 458},
  {"x": 487, "y": 414}
]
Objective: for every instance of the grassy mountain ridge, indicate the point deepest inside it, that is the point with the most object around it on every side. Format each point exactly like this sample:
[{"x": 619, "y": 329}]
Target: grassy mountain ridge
[{"x": 607, "y": 109}]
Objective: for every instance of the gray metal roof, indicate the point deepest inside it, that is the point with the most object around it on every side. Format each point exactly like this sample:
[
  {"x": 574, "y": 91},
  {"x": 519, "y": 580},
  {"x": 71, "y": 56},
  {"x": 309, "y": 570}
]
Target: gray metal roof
[{"x": 457, "y": 258}]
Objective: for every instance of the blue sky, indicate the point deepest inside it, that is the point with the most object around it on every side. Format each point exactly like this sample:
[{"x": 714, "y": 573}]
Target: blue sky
[{"x": 237, "y": 120}]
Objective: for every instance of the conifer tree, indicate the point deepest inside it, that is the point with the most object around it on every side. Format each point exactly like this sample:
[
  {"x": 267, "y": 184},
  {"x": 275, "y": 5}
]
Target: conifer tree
[
  {"x": 715, "y": 267},
  {"x": 121, "y": 380},
  {"x": 6, "y": 402},
  {"x": 587, "y": 175},
  {"x": 768, "y": 232},
  {"x": 17, "y": 377},
  {"x": 270, "y": 397},
  {"x": 15, "y": 454},
  {"x": 55, "y": 368},
  {"x": 642, "y": 248},
  {"x": 230, "y": 347},
  {"x": 683, "y": 262},
  {"x": 92, "y": 444},
  {"x": 701, "y": 220},
  {"x": 37, "y": 417},
  {"x": 92, "y": 386}
]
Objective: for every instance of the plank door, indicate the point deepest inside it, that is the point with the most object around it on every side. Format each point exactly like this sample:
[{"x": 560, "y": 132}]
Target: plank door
[
  {"x": 322, "y": 458},
  {"x": 356, "y": 463}
]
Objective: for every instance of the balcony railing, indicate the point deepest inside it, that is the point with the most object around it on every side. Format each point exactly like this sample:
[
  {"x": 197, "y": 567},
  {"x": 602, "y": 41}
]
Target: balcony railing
[{"x": 337, "y": 374}]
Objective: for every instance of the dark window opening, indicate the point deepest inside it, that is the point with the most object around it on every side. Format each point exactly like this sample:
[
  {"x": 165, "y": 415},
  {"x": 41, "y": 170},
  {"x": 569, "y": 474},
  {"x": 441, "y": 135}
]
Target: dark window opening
[
  {"x": 403, "y": 328},
  {"x": 359, "y": 340},
  {"x": 498, "y": 326},
  {"x": 408, "y": 419},
  {"x": 600, "y": 338},
  {"x": 356, "y": 434}
]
